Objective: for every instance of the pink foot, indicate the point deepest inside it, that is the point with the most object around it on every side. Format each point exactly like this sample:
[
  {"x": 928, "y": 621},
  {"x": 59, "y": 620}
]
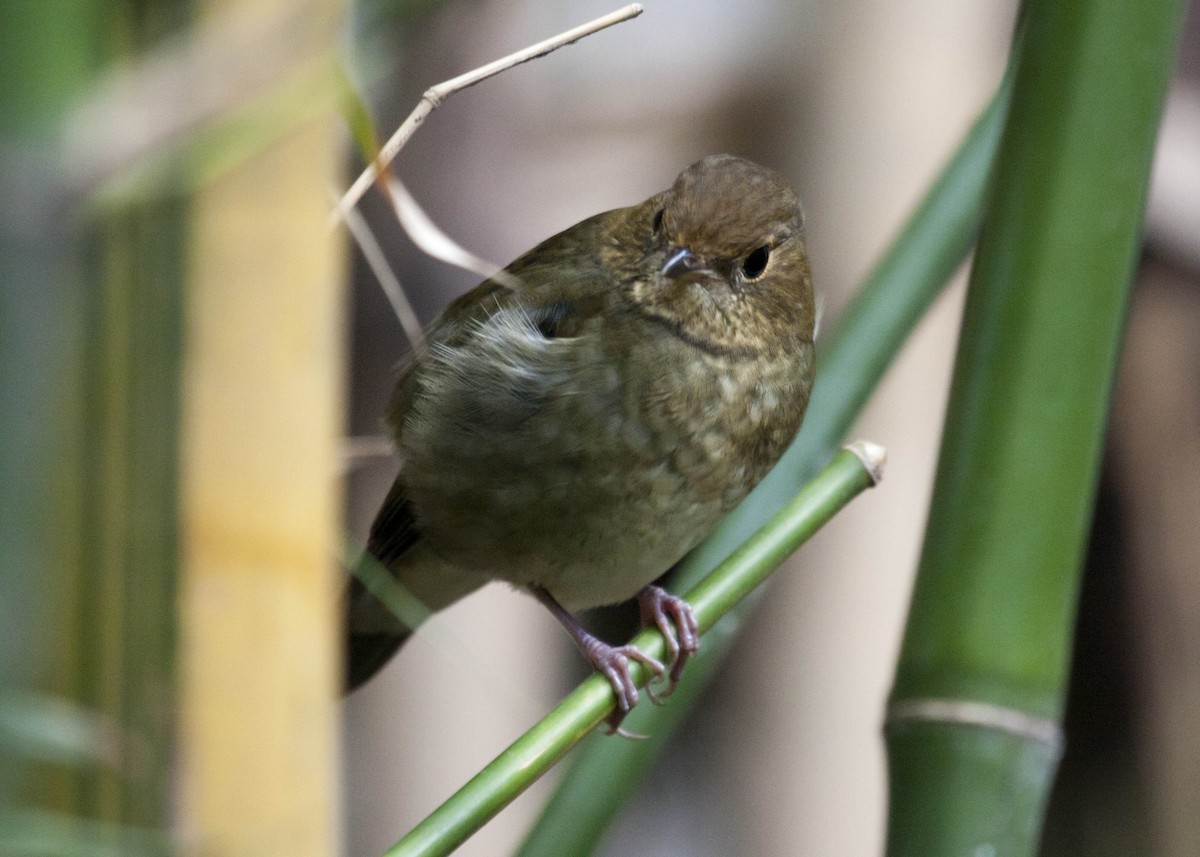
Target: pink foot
[
  {"x": 675, "y": 620},
  {"x": 610, "y": 661}
]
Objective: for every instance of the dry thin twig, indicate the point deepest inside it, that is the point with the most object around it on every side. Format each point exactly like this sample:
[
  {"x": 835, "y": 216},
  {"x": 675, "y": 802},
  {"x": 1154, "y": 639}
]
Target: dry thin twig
[
  {"x": 426, "y": 235},
  {"x": 388, "y": 281},
  {"x": 435, "y": 95}
]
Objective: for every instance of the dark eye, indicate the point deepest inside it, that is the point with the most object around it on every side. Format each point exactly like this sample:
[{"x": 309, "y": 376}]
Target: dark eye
[
  {"x": 656, "y": 224},
  {"x": 756, "y": 263}
]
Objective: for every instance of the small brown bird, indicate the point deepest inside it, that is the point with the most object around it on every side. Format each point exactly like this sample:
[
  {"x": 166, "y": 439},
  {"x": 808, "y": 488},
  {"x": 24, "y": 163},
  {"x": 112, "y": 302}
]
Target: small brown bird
[{"x": 577, "y": 426}]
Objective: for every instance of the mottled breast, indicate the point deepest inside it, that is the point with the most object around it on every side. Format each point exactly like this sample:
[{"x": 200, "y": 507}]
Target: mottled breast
[{"x": 588, "y": 464}]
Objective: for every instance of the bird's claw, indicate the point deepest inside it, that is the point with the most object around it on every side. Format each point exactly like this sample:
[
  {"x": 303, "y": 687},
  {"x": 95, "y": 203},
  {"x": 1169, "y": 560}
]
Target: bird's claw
[
  {"x": 613, "y": 663},
  {"x": 674, "y": 619},
  {"x": 677, "y": 623}
]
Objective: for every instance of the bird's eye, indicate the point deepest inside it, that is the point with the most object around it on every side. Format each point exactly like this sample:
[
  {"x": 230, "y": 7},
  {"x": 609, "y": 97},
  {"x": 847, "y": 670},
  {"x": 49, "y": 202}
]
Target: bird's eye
[
  {"x": 756, "y": 263},
  {"x": 656, "y": 224}
]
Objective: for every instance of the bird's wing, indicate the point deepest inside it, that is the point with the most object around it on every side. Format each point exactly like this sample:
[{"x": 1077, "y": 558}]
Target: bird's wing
[{"x": 551, "y": 291}]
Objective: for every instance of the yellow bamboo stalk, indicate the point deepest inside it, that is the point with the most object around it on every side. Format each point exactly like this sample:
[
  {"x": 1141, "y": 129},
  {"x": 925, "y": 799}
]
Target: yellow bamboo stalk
[{"x": 261, "y": 423}]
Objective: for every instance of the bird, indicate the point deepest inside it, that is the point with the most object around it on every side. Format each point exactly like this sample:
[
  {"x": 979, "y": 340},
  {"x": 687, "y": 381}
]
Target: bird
[{"x": 577, "y": 423}]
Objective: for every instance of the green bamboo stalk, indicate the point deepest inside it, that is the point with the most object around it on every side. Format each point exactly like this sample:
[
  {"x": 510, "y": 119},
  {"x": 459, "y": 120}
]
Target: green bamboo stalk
[
  {"x": 973, "y": 728},
  {"x": 144, "y": 289},
  {"x": 537, "y": 750},
  {"x": 125, "y": 619},
  {"x": 48, "y": 52},
  {"x": 933, "y": 243},
  {"x": 88, "y": 371},
  {"x": 30, "y": 833}
]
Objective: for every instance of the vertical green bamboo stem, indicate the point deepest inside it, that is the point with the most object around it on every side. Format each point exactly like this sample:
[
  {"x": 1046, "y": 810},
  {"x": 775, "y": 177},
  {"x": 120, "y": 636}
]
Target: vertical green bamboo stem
[
  {"x": 973, "y": 735},
  {"x": 48, "y": 52},
  {"x": 125, "y": 610},
  {"x": 133, "y": 527},
  {"x": 88, "y": 376}
]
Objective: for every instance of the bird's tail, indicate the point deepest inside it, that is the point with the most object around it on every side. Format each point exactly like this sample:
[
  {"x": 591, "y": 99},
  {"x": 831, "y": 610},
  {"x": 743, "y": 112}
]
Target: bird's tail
[
  {"x": 373, "y": 632},
  {"x": 421, "y": 584},
  {"x": 426, "y": 584},
  {"x": 367, "y": 650}
]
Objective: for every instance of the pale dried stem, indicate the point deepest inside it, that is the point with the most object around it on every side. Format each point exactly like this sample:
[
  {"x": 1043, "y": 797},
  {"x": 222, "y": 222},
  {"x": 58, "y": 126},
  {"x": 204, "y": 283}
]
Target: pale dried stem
[
  {"x": 426, "y": 235},
  {"x": 412, "y": 218},
  {"x": 435, "y": 95},
  {"x": 388, "y": 281}
]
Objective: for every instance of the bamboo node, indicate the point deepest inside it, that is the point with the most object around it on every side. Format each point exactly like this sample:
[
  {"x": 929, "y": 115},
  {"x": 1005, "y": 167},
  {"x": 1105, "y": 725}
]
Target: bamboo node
[
  {"x": 985, "y": 715},
  {"x": 873, "y": 458}
]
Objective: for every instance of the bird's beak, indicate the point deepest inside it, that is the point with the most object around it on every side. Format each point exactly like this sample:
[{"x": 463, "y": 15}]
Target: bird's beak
[{"x": 680, "y": 262}]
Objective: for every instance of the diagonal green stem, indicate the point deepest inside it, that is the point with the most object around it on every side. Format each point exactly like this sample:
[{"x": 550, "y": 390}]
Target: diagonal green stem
[
  {"x": 973, "y": 735},
  {"x": 933, "y": 243},
  {"x": 537, "y": 750}
]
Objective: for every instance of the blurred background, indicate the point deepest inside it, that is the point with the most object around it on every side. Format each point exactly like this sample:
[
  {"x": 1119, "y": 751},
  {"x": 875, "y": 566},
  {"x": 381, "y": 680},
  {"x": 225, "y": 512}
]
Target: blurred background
[
  {"x": 858, "y": 104},
  {"x": 183, "y": 379}
]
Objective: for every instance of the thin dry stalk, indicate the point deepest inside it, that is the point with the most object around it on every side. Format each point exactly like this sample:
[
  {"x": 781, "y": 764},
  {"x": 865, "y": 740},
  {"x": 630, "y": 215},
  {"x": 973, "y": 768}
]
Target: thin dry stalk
[
  {"x": 435, "y": 95},
  {"x": 388, "y": 281}
]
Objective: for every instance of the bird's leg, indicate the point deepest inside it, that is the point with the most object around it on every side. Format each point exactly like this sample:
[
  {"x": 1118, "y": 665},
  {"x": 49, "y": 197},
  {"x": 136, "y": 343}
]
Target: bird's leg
[
  {"x": 675, "y": 620},
  {"x": 611, "y": 661}
]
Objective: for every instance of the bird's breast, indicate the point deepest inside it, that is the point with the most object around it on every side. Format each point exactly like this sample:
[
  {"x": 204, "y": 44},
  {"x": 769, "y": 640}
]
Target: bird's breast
[{"x": 590, "y": 467}]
